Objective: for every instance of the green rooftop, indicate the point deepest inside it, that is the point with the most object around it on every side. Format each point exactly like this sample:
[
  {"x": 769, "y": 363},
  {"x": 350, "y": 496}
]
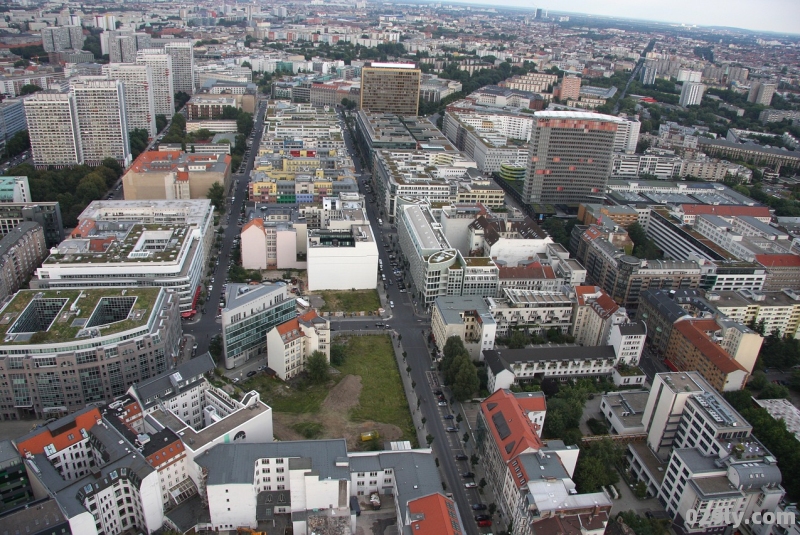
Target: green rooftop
[{"x": 57, "y": 316}]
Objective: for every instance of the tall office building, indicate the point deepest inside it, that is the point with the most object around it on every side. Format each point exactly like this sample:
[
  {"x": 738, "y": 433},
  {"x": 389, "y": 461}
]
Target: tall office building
[
  {"x": 56, "y": 39},
  {"x": 182, "y": 53},
  {"x": 53, "y": 129},
  {"x": 390, "y": 88},
  {"x": 122, "y": 49},
  {"x": 139, "y": 103},
  {"x": 649, "y": 72},
  {"x": 100, "y": 108},
  {"x": 761, "y": 93},
  {"x": 570, "y": 156},
  {"x": 163, "y": 86},
  {"x": 691, "y": 94}
]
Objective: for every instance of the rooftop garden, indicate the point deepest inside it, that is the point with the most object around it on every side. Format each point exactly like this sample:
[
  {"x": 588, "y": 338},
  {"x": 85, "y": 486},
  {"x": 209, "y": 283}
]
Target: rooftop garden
[{"x": 61, "y": 329}]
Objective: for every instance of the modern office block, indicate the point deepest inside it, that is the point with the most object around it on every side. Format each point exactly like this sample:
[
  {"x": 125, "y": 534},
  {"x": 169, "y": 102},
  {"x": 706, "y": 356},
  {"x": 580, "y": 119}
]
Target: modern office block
[
  {"x": 14, "y": 189},
  {"x": 12, "y": 118},
  {"x": 569, "y": 157},
  {"x": 390, "y": 88},
  {"x": 134, "y": 334},
  {"x": 47, "y": 214},
  {"x": 250, "y": 313},
  {"x": 139, "y": 102}
]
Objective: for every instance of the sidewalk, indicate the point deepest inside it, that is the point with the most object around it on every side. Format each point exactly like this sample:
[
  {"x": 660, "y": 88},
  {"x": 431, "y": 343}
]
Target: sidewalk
[{"x": 411, "y": 395}]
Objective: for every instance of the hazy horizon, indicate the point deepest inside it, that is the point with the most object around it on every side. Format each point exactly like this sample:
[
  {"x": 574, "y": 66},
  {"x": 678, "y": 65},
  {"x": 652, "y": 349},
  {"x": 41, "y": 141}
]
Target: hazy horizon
[{"x": 782, "y": 16}]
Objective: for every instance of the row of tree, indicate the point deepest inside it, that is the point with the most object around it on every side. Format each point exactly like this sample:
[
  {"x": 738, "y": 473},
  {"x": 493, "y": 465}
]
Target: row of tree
[
  {"x": 73, "y": 187},
  {"x": 459, "y": 372}
]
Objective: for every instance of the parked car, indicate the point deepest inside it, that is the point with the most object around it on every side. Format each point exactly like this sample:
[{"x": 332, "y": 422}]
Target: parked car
[
  {"x": 478, "y": 506},
  {"x": 482, "y": 517},
  {"x": 448, "y": 417},
  {"x": 452, "y": 430},
  {"x": 470, "y": 485},
  {"x": 467, "y": 475},
  {"x": 251, "y": 373},
  {"x": 438, "y": 392},
  {"x": 461, "y": 457},
  {"x": 485, "y": 523},
  {"x": 443, "y": 404}
]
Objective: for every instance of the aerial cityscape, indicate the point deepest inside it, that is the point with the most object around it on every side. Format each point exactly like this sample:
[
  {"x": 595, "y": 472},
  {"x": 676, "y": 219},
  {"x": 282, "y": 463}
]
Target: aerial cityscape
[{"x": 427, "y": 268}]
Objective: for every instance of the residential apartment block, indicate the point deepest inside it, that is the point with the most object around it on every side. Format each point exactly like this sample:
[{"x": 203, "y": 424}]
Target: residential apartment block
[
  {"x": 58, "y": 38},
  {"x": 139, "y": 100},
  {"x": 700, "y": 454},
  {"x": 160, "y": 64},
  {"x": 101, "y": 117},
  {"x": 53, "y": 129},
  {"x": 467, "y": 317},
  {"x": 182, "y": 54},
  {"x": 532, "y": 480},
  {"x": 290, "y": 344},
  {"x": 22, "y": 250},
  {"x": 47, "y": 214}
]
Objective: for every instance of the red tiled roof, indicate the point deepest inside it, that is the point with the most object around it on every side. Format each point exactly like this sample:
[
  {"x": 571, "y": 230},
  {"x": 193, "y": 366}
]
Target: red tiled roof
[
  {"x": 311, "y": 315},
  {"x": 288, "y": 326},
  {"x": 256, "y": 222},
  {"x": 67, "y": 436},
  {"x": 532, "y": 403},
  {"x": 511, "y": 429},
  {"x": 604, "y": 305},
  {"x": 778, "y": 260},
  {"x": 695, "y": 332},
  {"x": 83, "y": 229},
  {"x": 438, "y": 516}
]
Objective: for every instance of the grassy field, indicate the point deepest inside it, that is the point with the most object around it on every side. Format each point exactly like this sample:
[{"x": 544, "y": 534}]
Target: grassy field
[
  {"x": 382, "y": 397},
  {"x": 351, "y": 301},
  {"x": 283, "y": 398}
]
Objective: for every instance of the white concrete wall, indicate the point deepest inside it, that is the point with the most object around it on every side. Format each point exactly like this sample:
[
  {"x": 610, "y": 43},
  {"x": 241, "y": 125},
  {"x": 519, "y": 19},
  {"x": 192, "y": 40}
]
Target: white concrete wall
[
  {"x": 150, "y": 496},
  {"x": 254, "y": 248},
  {"x": 343, "y": 268},
  {"x": 322, "y": 494},
  {"x": 501, "y": 381},
  {"x": 515, "y": 250},
  {"x": 83, "y": 524},
  {"x": 232, "y": 506},
  {"x": 286, "y": 250},
  {"x": 275, "y": 353}
]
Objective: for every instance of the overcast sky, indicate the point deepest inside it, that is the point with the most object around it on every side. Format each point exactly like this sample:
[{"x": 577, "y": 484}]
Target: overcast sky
[{"x": 768, "y": 15}]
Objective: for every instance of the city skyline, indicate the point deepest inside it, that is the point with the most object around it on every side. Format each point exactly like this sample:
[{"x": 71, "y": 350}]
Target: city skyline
[{"x": 779, "y": 16}]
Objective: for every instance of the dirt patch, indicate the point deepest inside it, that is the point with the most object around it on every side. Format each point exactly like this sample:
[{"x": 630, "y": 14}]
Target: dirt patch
[
  {"x": 281, "y": 429},
  {"x": 334, "y": 415},
  {"x": 343, "y": 396}
]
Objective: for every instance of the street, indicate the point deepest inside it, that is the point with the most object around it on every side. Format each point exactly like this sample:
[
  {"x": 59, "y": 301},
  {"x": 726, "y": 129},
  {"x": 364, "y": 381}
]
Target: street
[
  {"x": 205, "y": 325},
  {"x": 412, "y": 327}
]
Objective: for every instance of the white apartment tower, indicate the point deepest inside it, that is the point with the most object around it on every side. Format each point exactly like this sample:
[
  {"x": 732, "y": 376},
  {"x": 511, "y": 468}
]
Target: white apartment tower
[
  {"x": 163, "y": 86},
  {"x": 53, "y": 129},
  {"x": 691, "y": 94},
  {"x": 100, "y": 107},
  {"x": 182, "y": 53},
  {"x": 139, "y": 102}
]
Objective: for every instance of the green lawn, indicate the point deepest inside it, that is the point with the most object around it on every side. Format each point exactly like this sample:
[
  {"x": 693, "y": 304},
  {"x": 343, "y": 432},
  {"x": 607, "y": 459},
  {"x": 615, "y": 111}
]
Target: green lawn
[
  {"x": 351, "y": 301},
  {"x": 382, "y": 397},
  {"x": 281, "y": 398}
]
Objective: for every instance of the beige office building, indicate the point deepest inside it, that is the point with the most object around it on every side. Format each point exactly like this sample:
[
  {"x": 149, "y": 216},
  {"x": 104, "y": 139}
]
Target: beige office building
[{"x": 390, "y": 88}]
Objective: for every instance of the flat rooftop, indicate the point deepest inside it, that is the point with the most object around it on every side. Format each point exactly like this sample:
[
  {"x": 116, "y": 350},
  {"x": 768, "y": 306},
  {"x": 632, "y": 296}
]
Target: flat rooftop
[
  {"x": 197, "y": 439},
  {"x": 104, "y": 242},
  {"x": 428, "y": 237},
  {"x": 628, "y": 407},
  {"x": 652, "y": 464},
  {"x": 68, "y": 315},
  {"x": 192, "y": 212}
]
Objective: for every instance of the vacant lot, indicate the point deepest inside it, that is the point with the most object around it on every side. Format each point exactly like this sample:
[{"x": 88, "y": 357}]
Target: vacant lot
[
  {"x": 367, "y": 395},
  {"x": 351, "y": 301},
  {"x": 382, "y": 397}
]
